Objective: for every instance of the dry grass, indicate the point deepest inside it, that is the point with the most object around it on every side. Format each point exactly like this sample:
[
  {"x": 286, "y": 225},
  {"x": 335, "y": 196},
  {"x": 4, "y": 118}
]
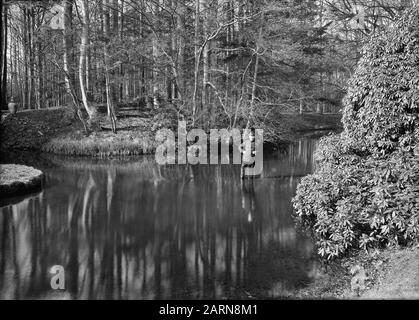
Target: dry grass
[{"x": 102, "y": 144}]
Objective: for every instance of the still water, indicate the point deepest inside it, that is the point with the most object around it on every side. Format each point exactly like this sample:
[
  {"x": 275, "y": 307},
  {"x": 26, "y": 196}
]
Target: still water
[{"x": 129, "y": 229}]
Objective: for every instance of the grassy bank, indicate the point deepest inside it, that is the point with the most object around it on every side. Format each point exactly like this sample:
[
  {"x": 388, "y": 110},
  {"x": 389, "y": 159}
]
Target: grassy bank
[
  {"x": 398, "y": 277},
  {"x": 378, "y": 274},
  {"x": 19, "y": 179},
  {"x": 58, "y": 131},
  {"x": 102, "y": 144}
]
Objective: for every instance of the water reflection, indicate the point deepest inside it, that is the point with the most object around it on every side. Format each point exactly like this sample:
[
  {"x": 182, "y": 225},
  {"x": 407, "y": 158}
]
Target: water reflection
[{"x": 134, "y": 230}]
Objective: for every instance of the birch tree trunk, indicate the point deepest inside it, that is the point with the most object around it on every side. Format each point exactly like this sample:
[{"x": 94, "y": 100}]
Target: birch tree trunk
[
  {"x": 68, "y": 59},
  {"x": 82, "y": 63}
]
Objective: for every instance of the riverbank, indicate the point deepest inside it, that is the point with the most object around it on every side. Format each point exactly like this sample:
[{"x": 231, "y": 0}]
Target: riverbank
[
  {"x": 376, "y": 275},
  {"x": 57, "y": 131},
  {"x": 18, "y": 179},
  {"x": 134, "y": 137},
  {"x": 31, "y": 129},
  {"x": 399, "y": 278}
]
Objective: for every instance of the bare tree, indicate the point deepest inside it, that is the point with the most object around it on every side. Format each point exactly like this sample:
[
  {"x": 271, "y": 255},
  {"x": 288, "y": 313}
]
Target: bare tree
[{"x": 109, "y": 87}]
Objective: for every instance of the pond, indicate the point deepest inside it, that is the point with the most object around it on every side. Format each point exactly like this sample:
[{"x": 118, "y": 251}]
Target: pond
[{"x": 130, "y": 229}]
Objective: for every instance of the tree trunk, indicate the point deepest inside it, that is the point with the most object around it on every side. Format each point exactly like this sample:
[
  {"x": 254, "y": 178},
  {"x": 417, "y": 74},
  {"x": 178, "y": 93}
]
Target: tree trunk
[
  {"x": 3, "y": 101},
  {"x": 31, "y": 29},
  {"x": 88, "y": 70},
  {"x": 116, "y": 33},
  {"x": 155, "y": 63},
  {"x": 254, "y": 86},
  {"x": 197, "y": 62},
  {"x": 82, "y": 63},
  {"x": 25, "y": 57},
  {"x": 180, "y": 25},
  {"x": 40, "y": 78},
  {"x": 122, "y": 70},
  {"x": 205, "y": 58},
  {"x": 108, "y": 84},
  {"x": 115, "y": 22},
  {"x": 3, "y": 56},
  {"x": 68, "y": 59},
  {"x": 255, "y": 75}
]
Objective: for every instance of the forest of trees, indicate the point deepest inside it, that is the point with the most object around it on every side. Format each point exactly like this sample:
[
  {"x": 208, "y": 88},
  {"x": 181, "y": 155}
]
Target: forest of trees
[{"x": 213, "y": 60}]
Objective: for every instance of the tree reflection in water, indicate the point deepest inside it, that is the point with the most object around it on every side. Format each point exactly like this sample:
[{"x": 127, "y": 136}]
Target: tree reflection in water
[{"x": 130, "y": 229}]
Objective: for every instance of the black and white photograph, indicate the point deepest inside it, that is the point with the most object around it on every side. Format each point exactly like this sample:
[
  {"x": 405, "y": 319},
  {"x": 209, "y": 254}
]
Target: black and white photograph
[{"x": 208, "y": 155}]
